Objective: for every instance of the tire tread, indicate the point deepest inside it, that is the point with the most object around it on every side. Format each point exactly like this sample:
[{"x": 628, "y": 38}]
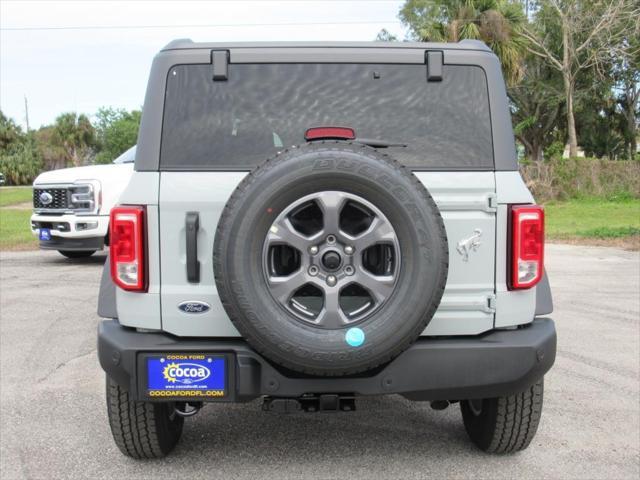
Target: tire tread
[
  {"x": 514, "y": 424},
  {"x": 134, "y": 425}
]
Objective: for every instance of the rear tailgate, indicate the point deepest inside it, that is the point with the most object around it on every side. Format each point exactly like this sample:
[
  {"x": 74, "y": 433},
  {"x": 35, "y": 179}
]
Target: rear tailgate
[
  {"x": 215, "y": 129},
  {"x": 465, "y": 200}
]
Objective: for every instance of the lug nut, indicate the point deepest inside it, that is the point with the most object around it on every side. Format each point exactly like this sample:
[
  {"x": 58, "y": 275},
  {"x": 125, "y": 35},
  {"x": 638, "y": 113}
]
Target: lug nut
[
  {"x": 313, "y": 270},
  {"x": 349, "y": 270},
  {"x": 331, "y": 280},
  {"x": 313, "y": 250},
  {"x": 348, "y": 250},
  {"x": 331, "y": 239}
]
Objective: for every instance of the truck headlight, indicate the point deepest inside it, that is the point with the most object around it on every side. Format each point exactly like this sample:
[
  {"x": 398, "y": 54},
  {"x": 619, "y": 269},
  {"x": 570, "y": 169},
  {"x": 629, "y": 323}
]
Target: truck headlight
[{"x": 84, "y": 197}]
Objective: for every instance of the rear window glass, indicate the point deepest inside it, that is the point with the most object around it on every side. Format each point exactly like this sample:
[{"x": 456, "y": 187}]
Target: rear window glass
[{"x": 263, "y": 108}]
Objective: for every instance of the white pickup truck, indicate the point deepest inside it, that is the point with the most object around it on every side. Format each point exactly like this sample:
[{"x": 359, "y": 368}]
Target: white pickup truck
[{"x": 71, "y": 206}]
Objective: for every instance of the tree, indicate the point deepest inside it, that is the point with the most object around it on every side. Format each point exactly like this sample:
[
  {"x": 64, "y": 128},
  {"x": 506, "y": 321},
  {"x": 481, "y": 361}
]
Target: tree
[
  {"x": 385, "y": 35},
  {"x": 498, "y": 23},
  {"x": 629, "y": 104},
  {"x": 117, "y": 131},
  {"x": 22, "y": 164},
  {"x": 74, "y": 135},
  {"x": 600, "y": 124},
  {"x": 19, "y": 159},
  {"x": 53, "y": 156},
  {"x": 10, "y": 133},
  {"x": 627, "y": 78},
  {"x": 536, "y": 104},
  {"x": 577, "y": 35}
]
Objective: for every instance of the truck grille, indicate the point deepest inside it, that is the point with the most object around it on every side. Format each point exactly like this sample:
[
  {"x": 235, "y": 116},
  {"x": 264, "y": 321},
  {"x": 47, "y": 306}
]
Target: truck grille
[{"x": 50, "y": 198}]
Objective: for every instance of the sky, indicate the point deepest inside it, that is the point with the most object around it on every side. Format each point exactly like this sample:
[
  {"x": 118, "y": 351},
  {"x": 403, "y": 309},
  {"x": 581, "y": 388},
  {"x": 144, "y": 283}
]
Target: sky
[{"x": 80, "y": 55}]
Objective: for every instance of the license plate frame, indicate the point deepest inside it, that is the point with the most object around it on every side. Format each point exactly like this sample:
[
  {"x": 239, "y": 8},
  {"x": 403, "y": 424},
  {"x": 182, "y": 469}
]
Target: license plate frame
[{"x": 156, "y": 369}]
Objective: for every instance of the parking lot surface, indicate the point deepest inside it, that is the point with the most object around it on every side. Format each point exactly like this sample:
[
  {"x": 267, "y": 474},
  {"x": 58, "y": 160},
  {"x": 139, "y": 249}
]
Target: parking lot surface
[{"x": 53, "y": 421}]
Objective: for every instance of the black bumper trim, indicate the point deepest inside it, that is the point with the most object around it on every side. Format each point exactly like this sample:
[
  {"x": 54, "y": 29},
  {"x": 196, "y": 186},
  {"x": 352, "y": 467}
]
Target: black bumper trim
[
  {"x": 72, "y": 244},
  {"x": 498, "y": 363}
]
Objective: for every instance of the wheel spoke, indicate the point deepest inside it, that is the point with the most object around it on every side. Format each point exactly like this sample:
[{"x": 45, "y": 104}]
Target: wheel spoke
[
  {"x": 380, "y": 231},
  {"x": 380, "y": 287},
  {"x": 331, "y": 204},
  {"x": 283, "y": 288},
  {"x": 332, "y": 315},
  {"x": 283, "y": 232}
]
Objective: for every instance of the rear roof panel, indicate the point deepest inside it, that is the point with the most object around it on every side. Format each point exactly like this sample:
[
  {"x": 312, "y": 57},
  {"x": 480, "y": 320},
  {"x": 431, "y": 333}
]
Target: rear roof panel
[{"x": 187, "y": 44}]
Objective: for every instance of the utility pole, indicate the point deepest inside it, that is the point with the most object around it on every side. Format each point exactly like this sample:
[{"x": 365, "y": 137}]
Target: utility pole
[{"x": 26, "y": 112}]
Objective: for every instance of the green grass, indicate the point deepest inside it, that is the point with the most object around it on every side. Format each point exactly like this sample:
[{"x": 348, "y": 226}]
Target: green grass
[
  {"x": 585, "y": 218},
  {"x": 14, "y": 195},
  {"x": 593, "y": 218},
  {"x": 15, "y": 230}
]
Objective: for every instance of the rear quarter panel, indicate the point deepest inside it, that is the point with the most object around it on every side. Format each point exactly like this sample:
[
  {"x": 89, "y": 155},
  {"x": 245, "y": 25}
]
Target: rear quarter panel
[
  {"x": 142, "y": 310},
  {"x": 513, "y": 307}
]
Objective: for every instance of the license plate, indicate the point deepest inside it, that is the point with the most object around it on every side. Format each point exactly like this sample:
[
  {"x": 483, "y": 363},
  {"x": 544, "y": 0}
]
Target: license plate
[
  {"x": 186, "y": 375},
  {"x": 45, "y": 234}
]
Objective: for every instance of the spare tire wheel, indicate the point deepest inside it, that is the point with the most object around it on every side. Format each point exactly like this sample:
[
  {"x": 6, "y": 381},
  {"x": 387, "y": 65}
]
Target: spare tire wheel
[{"x": 330, "y": 258}]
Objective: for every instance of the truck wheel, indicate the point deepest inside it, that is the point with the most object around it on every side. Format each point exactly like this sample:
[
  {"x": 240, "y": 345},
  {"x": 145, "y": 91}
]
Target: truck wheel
[
  {"x": 141, "y": 429},
  {"x": 330, "y": 258},
  {"x": 77, "y": 253},
  {"x": 504, "y": 424}
]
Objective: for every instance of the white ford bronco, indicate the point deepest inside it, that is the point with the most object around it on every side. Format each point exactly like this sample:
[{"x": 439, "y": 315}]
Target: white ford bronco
[
  {"x": 310, "y": 223},
  {"x": 71, "y": 206}
]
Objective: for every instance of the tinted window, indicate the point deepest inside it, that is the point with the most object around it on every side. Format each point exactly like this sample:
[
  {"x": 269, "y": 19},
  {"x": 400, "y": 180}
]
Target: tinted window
[{"x": 263, "y": 108}]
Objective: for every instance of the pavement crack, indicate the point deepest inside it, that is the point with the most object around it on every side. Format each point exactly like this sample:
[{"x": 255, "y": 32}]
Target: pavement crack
[
  {"x": 65, "y": 363},
  {"x": 596, "y": 363}
]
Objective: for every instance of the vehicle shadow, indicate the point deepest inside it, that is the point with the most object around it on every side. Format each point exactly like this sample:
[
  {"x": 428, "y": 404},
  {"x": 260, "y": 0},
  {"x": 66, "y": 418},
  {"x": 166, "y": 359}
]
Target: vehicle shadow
[
  {"x": 58, "y": 259},
  {"x": 389, "y": 427}
]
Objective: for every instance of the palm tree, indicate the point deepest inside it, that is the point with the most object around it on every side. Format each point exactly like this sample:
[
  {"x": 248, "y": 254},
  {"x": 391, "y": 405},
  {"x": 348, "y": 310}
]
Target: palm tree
[
  {"x": 74, "y": 135},
  {"x": 10, "y": 133},
  {"x": 498, "y": 23}
]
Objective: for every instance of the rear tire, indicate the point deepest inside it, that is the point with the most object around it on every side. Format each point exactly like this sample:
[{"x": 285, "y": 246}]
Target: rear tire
[
  {"x": 504, "y": 424},
  {"x": 76, "y": 253},
  {"x": 142, "y": 429}
]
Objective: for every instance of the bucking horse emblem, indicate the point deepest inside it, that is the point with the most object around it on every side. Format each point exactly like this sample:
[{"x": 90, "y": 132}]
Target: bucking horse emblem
[{"x": 469, "y": 244}]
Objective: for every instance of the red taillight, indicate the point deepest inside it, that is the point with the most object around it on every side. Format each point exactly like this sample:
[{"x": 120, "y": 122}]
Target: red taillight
[
  {"x": 127, "y": 248},
  {"x": 341, "y": 133},
  {"x": 527, "y": 246}
]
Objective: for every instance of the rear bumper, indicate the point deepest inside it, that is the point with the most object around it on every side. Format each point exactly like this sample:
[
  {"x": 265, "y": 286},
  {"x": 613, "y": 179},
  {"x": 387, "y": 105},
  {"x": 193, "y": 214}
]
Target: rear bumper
[{"x": 498, "y": 363}]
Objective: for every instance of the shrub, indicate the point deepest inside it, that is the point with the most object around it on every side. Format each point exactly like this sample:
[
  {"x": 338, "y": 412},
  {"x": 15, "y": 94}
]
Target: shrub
[
  {"x": 563, "y": 179},
  {"x": 22, "y": 164},
  {"x": 554, "y": 150}
]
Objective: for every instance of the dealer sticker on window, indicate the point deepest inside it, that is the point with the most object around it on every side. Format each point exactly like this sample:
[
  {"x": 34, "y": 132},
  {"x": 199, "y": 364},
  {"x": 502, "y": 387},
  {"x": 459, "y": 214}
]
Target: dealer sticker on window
[{"x": 186, "y": 375}]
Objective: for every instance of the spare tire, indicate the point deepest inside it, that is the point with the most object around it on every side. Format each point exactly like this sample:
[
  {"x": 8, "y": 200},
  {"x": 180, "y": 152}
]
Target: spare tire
[{"x": 331, "y": 258}]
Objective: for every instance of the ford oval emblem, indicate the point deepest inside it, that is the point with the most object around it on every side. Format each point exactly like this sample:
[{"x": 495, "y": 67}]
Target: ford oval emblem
[
  {"x": 46, "y": 198},
  {"x": 194, "y": 307}
]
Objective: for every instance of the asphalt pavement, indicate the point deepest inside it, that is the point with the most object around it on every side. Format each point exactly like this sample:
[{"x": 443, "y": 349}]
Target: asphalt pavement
[{"x": 53, "y": 421}]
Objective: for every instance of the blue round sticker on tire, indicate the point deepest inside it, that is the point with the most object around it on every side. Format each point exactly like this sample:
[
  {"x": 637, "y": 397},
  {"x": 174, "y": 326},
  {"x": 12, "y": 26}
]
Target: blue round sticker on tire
[{"x": 354, "y": 337}]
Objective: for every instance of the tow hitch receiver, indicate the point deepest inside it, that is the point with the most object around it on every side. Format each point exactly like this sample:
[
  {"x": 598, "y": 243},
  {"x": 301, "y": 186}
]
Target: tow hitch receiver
[{"x": 310, "y": 403}]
